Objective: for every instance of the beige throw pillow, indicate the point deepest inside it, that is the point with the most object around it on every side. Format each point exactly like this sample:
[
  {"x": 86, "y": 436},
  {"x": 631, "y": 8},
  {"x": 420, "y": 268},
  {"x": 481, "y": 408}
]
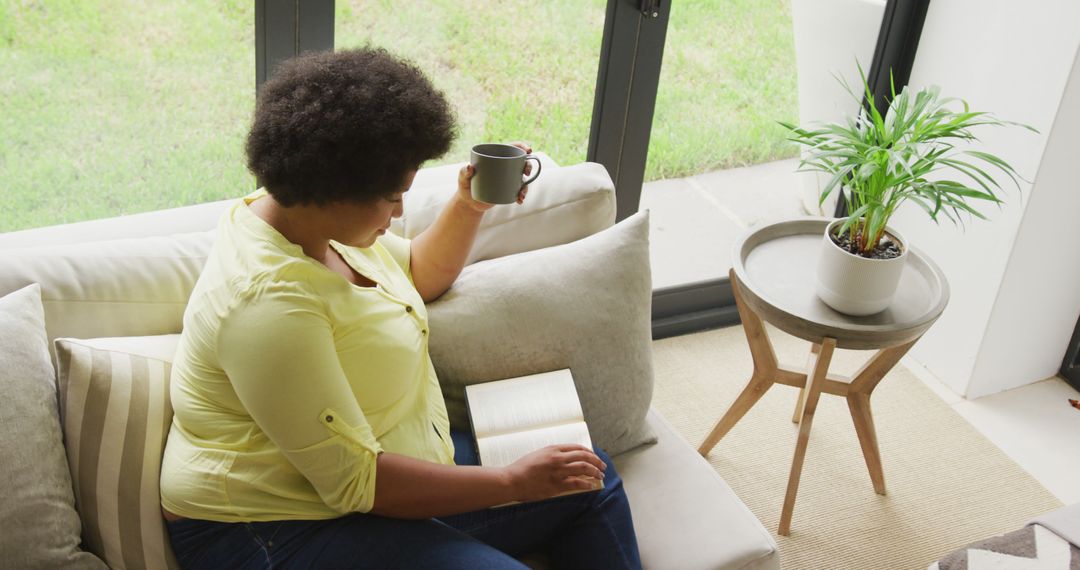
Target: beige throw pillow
[
  {"x": 114, "y": 401},
  {"x": 585, "y": 306},
  {"x": 39, "y": 527}
]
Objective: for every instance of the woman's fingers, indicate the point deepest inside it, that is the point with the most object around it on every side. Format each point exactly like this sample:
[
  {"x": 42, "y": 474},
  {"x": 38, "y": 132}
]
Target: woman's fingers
[
  {"x": 580, "y": 463},
  {"x": 582, "y": 469},
  {"x": 578, "y": 483},
  {"x": 525, "y": 187},
  {"x": 584, "y": 455},
  {"x": 528, "y": 169},
  {"x": 465, "y": 175}
]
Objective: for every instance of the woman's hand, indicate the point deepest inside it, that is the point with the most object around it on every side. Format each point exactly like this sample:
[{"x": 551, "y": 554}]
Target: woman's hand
[
  {"x": 439, "y": 252},
  {"x": 465, "y": 183},
  {"x": 552, "y": 470}
]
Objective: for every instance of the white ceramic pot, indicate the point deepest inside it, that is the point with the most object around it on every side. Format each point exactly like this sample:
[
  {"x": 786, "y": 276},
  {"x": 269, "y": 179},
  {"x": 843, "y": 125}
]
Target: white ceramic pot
[{"x": 855, "y": 285}]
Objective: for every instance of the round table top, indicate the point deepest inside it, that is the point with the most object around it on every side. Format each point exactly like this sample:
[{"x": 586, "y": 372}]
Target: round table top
[{"x": 776, "y": 268}]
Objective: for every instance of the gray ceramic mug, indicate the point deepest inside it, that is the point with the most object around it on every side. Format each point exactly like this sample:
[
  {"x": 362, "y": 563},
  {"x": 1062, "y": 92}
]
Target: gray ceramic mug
[{"x": 498, "y": 171}]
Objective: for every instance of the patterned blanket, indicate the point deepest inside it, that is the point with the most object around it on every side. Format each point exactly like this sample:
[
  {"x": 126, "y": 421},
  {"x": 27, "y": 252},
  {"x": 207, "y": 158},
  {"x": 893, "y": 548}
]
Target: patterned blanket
[{"x": 1050, "y": 542}]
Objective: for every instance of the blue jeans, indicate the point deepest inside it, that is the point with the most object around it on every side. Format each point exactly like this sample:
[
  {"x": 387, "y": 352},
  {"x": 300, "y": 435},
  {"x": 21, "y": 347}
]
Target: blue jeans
[{"x": 587, "y": 530}]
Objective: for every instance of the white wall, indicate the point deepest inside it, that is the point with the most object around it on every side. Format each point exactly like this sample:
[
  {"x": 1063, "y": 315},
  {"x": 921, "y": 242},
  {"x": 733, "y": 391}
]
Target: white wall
[
  {"x": 1014, "y": 301},
  {"x": 830, "y": 36},
  {"x": 1039, "y": 300}
]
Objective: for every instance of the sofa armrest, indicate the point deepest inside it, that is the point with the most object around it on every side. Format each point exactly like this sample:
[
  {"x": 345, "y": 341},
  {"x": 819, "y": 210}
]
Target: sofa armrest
[{"x": 686, "y": 516}]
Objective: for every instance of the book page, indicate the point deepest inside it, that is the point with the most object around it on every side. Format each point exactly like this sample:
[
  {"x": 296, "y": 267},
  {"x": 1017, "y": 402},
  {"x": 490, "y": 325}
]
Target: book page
[
  {"x": 523, "y": 403},
  {"x": 504, "y": 449}
]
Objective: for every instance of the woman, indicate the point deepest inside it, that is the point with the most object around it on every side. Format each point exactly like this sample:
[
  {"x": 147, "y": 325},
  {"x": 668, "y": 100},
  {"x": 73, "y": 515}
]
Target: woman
[{"x": 309, "y": 427}]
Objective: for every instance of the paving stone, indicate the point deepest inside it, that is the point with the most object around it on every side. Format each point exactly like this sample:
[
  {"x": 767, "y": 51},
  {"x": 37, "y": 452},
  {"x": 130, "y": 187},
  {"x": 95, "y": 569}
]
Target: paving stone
[
  {"x": 755, "y": 195},
  {"x": 695, "y": 221}
]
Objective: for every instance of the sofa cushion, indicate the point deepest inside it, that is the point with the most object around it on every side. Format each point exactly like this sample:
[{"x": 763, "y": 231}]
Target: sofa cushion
[
  {"x": 128, "y": 287},
  {"x": 694, "y": 519},
  {"x": 37, "y": 510},
  {"x": 564, "y": 204},
  {"x": 115, "y": 413},
  {"x": 585, "y": 306}
]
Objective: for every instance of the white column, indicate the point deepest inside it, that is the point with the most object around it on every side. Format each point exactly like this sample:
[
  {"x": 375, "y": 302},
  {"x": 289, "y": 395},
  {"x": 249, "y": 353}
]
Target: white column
[{"x": 1014, "y": 298}]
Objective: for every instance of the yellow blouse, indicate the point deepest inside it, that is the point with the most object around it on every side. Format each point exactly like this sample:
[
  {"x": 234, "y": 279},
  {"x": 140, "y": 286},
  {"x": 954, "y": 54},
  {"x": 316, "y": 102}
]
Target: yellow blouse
[{"x": 289, "y": 380}]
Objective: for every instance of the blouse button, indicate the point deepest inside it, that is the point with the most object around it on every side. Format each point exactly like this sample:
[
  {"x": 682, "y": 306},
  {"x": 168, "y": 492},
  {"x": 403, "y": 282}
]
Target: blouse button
[{"x": 408, "y": 308}]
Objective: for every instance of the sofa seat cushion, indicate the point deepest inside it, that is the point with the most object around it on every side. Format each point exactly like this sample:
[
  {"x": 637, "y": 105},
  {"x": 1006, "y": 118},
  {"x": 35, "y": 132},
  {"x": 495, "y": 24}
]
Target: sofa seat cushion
[
  {"x": 685, "y": 515},
  {"x": 585, "y": 306},
  {"x": 115, "y": 413},
  {"x": 37, "y": 510}
]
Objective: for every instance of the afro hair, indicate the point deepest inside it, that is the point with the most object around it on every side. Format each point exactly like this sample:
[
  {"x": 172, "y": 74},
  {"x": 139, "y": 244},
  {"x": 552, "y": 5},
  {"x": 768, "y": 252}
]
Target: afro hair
[{"x": 345, "y": 126}]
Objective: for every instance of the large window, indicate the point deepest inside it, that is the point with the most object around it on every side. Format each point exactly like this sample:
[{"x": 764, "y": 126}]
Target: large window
[
  {"x": 511, "y": 70},
  {"x": 718, "y": 161},
  {"x": 728, "y": 76},
  {"x": 121, "y": 106},
  {"x": 110, "y": 107}
]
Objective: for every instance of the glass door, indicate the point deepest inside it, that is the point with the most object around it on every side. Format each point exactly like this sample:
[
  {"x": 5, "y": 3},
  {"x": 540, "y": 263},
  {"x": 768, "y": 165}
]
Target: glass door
[
  {"x": 512, "y": 71},
  {"x": 718, "y": 161}
]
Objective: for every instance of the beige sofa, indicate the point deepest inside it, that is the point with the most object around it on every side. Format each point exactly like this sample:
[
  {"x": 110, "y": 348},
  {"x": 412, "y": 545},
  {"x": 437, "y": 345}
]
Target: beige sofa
[{"x": 686, "y": 515}]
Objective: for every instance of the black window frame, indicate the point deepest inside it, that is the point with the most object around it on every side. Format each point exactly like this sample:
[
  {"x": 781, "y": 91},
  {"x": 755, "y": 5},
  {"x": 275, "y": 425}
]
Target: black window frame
[{"x": 287, "y": 28}]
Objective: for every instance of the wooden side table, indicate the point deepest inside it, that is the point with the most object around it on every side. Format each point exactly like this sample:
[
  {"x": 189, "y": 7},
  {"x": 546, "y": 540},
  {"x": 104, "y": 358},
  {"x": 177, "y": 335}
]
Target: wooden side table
[{"x": 773, "y": 277}]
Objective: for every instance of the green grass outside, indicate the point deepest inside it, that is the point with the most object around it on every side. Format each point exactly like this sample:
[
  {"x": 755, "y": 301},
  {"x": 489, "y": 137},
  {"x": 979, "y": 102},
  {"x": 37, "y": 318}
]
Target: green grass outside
[
  {"x": 117, "y": 107},
  {"x": 121, "y": 106}
]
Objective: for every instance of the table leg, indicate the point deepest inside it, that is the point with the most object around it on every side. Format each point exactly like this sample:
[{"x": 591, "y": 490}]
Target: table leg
[
  {"x": 761, "y": 348},
  {"x": 859, "y": 404},
  {"x": 815, "y": 378},
  {"x": 754, "y": 390},
  {"x": 765, "y": 366},
  {"x": 815, "y": 348},
  {"x": 858, "y": 398}
]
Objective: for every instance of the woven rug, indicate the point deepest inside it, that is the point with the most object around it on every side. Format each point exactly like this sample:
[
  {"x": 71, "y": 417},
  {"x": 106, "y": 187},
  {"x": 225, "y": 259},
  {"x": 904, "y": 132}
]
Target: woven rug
[{"x": 947, "y": 485}]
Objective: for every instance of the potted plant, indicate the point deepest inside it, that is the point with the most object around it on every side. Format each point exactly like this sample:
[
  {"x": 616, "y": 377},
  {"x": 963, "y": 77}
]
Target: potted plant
[{"x": 878, "y": 163}]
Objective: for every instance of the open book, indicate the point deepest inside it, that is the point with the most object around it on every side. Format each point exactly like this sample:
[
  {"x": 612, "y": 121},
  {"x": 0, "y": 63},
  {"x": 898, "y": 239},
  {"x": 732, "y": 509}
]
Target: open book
[{"x": 514, "y": 417}]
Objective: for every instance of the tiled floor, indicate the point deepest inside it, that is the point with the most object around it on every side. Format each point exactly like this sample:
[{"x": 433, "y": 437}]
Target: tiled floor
[
  {"x": 695, "y": 222},
  {"x": 1033, "y": 424}
]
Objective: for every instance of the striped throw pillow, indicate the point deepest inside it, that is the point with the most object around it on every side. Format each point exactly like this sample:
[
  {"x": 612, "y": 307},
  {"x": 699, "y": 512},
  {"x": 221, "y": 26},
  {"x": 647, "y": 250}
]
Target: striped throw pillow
[{"x": 115, "y": 413}]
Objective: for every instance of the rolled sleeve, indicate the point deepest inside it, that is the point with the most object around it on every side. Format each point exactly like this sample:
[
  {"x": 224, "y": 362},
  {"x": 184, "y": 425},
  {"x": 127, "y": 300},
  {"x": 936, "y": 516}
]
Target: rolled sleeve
[{"x": 278, "y": 353}]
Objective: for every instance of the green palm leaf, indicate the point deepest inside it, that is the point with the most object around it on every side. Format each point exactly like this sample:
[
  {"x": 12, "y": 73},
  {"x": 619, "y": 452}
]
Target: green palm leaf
[{"x": 879, "y": 162}]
